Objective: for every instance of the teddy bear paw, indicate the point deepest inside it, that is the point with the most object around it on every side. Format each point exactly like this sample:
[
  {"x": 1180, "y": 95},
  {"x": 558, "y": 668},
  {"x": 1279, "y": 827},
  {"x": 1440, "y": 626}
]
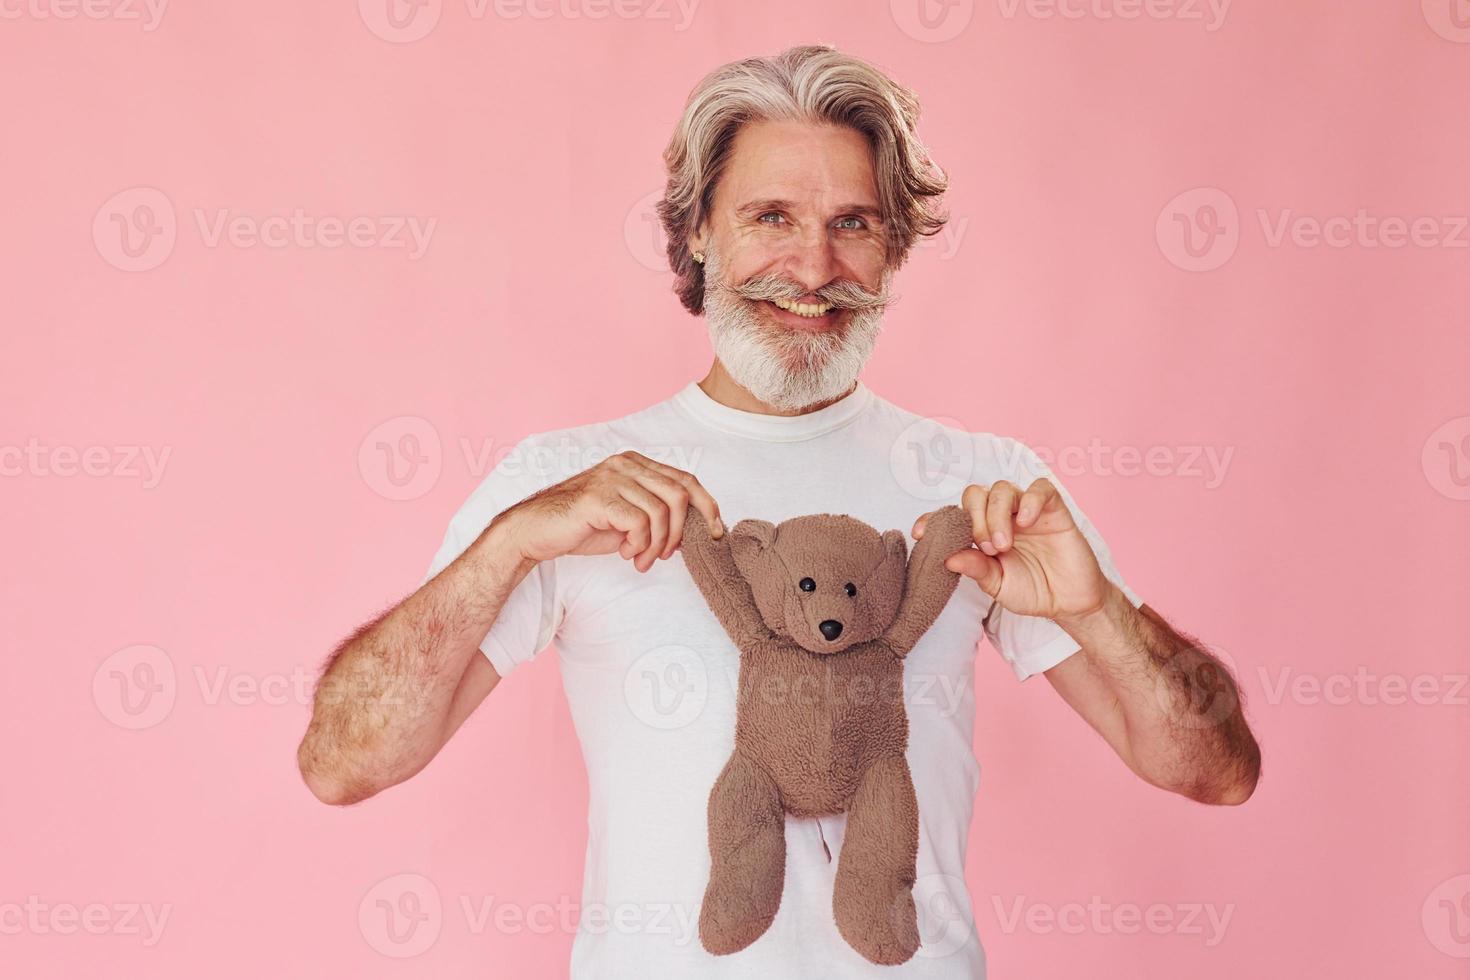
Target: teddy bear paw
[
  {"x": 883, "y": 928},
  {"x": 732, "y": 918}
]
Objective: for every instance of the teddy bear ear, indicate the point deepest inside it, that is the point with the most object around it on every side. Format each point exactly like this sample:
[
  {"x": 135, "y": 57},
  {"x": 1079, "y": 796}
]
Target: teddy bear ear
[
  {"x": 748, "y": 540},
  {"x": 895, "y": 548}
]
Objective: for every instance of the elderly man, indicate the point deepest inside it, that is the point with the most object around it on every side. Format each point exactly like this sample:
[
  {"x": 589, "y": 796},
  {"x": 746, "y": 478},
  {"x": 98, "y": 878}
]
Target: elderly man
[{"x": 796, "y": 187}]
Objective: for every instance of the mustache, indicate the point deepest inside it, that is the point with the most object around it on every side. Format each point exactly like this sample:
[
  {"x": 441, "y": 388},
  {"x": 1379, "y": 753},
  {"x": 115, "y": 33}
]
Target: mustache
[{"x": 842, "y": 294}]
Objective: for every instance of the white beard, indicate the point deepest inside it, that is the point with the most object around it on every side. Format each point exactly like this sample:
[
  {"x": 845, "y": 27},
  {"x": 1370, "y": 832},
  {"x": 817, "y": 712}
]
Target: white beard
[{"x": 787, "y": 369}]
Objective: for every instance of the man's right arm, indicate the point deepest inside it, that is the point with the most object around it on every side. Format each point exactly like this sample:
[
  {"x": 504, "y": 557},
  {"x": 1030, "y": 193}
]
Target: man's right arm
[{"x": 396, "y": 690}]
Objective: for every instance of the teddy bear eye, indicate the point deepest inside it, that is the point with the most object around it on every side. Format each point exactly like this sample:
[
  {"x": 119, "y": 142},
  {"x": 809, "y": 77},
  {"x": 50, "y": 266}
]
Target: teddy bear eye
[
  {"x": 807, "y": 585},
  {"x": 850, "y": 589}
]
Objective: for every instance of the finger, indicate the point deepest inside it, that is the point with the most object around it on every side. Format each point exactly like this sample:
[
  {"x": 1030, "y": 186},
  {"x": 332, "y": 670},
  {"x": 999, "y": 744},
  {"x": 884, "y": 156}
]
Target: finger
[
  {"x": 998, "y": 513},
  {"x": 658, "y": 521},
  {"x": 1034, "y": 501},
  {"x": 973, "y": 501},
  {"x": 922, "y": 523},
  {"x": 675, "y": 498},
  {"x": 985, "y": 570},
  {"x": 698, "y": 495},
  {"x": 632, "y": 521}
]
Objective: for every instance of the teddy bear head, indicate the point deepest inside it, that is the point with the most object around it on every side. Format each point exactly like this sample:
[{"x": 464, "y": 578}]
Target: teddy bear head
[{"x": 822, "y": 581}]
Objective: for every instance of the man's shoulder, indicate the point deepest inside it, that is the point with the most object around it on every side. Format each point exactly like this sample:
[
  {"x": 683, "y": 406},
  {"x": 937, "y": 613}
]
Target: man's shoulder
[
  {"x": 549, "y": 456},
  {"x": 990, "y": 455}
]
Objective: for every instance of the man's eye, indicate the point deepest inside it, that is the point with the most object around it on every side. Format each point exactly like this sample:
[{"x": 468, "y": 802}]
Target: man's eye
[
  {"x": 851, "y": 223},
  {"x": 777, "y": 215},
  {"x": 807, "y": 585}
]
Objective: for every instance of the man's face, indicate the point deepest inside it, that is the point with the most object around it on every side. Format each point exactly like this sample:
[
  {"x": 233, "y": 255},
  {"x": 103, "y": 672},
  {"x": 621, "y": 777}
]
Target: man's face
[{"x": 795, "y": 272}]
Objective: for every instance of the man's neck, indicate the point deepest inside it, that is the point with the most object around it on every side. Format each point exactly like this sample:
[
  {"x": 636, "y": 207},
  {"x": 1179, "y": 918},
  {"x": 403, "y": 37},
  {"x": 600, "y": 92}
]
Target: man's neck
[{"x": 727, "y": 391}]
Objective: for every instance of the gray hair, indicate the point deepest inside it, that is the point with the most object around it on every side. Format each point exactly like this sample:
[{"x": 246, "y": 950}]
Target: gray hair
[{"x": 816, "y": 84}]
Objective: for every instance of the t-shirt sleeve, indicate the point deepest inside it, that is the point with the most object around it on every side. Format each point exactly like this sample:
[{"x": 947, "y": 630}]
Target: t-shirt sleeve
[
  {"x": 532, "y": 612},
  {"x": 1032, "y": 644}
]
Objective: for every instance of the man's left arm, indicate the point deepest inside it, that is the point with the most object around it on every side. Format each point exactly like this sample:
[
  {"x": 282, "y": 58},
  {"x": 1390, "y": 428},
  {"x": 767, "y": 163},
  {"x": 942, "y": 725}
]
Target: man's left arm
[{"x": 1168, "y": 707}]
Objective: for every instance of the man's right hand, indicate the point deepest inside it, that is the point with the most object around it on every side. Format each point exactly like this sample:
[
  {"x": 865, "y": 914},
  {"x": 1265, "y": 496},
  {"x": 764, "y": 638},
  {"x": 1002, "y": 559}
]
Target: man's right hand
[{"x": 627, "y": 503}]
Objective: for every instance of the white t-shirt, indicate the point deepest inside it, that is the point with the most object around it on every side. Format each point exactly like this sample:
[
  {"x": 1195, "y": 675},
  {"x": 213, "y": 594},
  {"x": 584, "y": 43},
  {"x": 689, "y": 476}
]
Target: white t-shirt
[{"x": 651, "y": 677}]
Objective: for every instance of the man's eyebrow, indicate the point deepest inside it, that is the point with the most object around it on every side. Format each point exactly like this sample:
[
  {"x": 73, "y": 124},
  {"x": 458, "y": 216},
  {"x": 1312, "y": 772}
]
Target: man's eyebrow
[
  {"x": 863, "y": 211},
  {"x": 753, "y": 209}
]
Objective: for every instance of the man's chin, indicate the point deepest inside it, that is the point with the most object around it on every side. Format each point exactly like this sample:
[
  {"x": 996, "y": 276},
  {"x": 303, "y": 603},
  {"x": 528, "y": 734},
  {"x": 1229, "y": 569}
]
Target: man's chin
[
  {"x": 799, "y": 353},
  {"x": 793, "y": 379},
  {"x": 783, "y": 365}
]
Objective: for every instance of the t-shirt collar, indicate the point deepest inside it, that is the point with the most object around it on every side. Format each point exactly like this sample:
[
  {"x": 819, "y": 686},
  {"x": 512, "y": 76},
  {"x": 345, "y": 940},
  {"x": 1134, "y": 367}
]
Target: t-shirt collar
[{"x": 772, "y": 428}]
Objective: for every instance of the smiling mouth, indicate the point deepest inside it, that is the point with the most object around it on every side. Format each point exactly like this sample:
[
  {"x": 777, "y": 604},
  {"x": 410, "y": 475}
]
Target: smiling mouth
[
  {"x": 814, "y": 317},
  {"x": 812, "y": 310}
]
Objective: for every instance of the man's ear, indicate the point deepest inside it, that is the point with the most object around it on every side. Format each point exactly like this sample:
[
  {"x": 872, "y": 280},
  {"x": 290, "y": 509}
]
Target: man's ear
[
  {"x": 748, "y": 542},
  {"x": 698, "y": 240}
]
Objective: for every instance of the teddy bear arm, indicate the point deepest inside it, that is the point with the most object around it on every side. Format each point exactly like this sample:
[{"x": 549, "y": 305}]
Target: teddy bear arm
[
  {"x": 929, "y": 584},
  {"x": 712, "y": 566}
]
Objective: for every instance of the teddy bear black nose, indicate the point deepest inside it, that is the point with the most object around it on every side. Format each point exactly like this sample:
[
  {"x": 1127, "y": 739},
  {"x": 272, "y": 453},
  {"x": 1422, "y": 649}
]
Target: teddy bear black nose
[{"x": 830, "y": 628}]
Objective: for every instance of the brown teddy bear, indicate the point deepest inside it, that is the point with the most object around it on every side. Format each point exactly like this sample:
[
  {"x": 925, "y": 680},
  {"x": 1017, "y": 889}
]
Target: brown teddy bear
[{"x": 823, "y": 609}]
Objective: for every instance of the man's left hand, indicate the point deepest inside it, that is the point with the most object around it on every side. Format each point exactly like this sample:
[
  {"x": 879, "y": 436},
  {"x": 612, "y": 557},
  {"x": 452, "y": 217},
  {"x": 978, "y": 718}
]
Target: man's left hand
[{"x": 1030, "y": 556}]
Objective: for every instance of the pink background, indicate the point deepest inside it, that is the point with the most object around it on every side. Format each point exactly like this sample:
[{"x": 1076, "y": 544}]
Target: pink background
[{"x": 1064, "y": 308}]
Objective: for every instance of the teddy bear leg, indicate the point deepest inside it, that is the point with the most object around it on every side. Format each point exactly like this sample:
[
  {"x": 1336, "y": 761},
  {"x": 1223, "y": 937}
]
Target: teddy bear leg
[
  {"x": 873, "y": 897},
  {"x": 747, "y": 844}
]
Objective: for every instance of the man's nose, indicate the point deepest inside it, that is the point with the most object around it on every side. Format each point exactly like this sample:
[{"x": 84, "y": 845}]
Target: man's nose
[
  {"x": 813, "y": 262},
  {"x": 830, "y": 628}
]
